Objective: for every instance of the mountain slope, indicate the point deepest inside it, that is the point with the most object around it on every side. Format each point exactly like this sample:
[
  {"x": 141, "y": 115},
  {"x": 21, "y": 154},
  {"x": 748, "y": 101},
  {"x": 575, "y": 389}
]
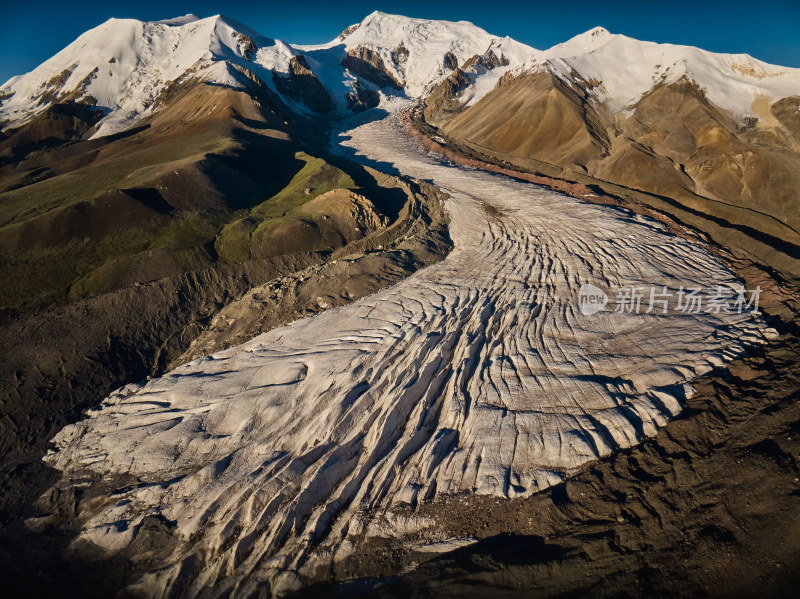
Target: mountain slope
[
  {"x": 123, "y": 66},
  {"x": 717, "y": 133},
  {"x": 145, "y": 149},
  {"x": 145, "y": 203}
]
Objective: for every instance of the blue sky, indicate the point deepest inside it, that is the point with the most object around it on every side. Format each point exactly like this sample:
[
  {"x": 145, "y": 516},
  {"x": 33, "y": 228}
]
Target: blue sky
[{"x": 31, "y": 32}]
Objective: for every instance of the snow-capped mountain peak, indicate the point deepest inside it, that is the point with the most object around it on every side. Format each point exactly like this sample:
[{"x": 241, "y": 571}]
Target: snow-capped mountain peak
[
  {"x": 582, "y": 43},
  {"x": 420, "y": 52},
  {"x": 626, "y": 69},
  {"x": 188, "y": 18},
  {"x": 123, "y": 65}
]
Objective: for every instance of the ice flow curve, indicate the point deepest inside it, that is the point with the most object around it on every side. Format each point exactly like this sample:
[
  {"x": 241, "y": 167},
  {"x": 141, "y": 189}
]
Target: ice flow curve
[{"x": 476, "y": 374}]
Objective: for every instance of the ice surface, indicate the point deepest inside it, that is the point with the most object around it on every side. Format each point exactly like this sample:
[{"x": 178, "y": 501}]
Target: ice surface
[{"x": 477, "y": 374}]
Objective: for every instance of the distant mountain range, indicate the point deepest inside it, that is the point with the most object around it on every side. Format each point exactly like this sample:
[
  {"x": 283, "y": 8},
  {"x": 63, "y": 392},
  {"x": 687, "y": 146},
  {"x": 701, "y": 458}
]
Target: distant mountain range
[{"x": 124, "y": 66}]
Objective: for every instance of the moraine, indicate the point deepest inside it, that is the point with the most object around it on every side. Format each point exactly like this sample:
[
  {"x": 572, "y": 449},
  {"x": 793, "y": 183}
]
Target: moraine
[{"x": 477, "y": 374}]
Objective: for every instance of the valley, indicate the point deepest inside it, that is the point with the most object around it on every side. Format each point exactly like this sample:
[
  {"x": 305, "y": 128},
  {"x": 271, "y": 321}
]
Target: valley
[
  {"x": 420, "y": 310},
  {"x": 475, "y": 374}
]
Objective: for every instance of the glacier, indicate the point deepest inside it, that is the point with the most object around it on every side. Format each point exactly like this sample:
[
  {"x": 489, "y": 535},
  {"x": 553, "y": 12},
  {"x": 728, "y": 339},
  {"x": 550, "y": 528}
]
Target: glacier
[{"x": 478, "y": 374}]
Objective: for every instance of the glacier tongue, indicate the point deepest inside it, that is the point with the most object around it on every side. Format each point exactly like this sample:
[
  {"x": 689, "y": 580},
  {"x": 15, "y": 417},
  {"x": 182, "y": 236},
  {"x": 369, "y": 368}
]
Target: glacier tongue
[{"x": 477, "y": 374}]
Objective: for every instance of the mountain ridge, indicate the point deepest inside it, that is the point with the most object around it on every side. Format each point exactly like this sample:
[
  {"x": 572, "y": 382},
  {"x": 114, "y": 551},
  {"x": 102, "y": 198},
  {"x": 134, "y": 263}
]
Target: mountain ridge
[{"x": 122, "y": 66}]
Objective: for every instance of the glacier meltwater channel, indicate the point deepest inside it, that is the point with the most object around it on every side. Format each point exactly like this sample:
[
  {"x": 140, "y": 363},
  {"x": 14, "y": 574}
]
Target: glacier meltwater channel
[{"x": 477, "y": 374}]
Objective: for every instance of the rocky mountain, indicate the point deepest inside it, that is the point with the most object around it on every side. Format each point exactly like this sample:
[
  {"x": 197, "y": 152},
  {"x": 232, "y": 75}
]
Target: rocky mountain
[
  {"x": 716, "y": 133},
  {"x": 171, "y": 189},
  {"x": 136, "y": 125},
  {"x": 126, "y": 68}
]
